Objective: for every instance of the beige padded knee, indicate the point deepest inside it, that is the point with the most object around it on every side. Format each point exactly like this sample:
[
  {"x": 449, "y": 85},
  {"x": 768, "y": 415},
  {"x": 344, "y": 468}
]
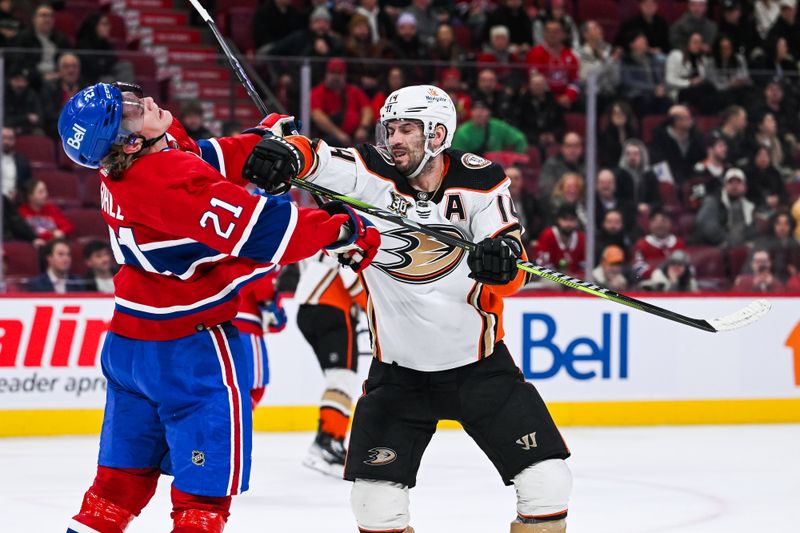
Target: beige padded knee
[{"x": 556, "y": 526}]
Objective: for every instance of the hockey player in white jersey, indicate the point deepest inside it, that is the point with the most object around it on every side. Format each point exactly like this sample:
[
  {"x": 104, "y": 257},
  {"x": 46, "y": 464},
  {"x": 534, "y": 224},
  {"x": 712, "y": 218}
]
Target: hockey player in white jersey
[
  {"x": 329, "y": 299},
  {"x": 435, "y": 313}
]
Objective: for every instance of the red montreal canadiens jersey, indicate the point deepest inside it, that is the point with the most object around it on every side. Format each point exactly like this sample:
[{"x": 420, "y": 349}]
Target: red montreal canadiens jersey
[
  {"x": 188, "y": 238},
  {"x": 249, "y": 318}
]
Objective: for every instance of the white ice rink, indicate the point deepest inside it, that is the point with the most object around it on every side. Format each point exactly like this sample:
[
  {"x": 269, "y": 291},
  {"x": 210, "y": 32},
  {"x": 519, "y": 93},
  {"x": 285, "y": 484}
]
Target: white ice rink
[{"x": 700, "y": 479}]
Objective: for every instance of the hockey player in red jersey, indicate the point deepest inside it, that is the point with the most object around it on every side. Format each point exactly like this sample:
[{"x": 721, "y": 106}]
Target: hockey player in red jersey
[
  {"x": 188, "y": 238},
  {"x": 436, "y": 316},
  {"x": 260, "y": 311}
]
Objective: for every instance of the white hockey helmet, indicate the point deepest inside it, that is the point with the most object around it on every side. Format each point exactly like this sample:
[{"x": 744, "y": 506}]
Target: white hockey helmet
[{"x": 428, "y": 104}]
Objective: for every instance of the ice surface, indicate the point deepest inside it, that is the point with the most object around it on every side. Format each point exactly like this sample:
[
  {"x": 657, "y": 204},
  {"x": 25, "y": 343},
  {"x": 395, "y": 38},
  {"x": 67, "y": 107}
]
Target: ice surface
[{"x": 699, "y": 479}]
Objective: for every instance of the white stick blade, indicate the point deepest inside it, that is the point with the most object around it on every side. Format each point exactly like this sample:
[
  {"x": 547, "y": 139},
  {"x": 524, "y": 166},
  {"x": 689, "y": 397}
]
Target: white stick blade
[
  {"x": 201, "y": 10},
  {"x": 743, "y": 317}
]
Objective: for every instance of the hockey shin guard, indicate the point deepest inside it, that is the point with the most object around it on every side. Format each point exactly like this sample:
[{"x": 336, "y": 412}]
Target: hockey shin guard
[
  {"x": 199, "y": 514},
  {"x": 115, "y": 498},
  {"x": 337, "y": 402}
]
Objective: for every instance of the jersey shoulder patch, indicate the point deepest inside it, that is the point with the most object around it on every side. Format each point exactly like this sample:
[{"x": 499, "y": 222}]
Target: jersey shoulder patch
[{"x": 472, "y": 171}]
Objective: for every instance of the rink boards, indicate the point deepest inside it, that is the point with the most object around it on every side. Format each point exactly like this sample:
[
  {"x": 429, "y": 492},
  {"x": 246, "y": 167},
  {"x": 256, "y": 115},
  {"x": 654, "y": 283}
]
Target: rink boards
[{"x": 594, "y": 362}]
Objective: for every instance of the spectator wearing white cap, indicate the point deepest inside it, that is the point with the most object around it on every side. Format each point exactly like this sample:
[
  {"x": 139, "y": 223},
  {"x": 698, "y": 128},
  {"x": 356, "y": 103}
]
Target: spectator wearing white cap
[
  {"x": 693, "y": 21},
  {"x": 506, "y": 64},
  {"x": 513, "y": 15},
  {"x": 425, "y": 18},
  {"x": 411, "y": 50},
  {"x": 727, "y": 218}
]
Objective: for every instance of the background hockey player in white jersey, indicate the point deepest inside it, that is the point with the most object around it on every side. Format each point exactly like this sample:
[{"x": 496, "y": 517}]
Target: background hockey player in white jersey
[
  {"x": 436, "y": 316},
  {"x": 330, "y": 299}
]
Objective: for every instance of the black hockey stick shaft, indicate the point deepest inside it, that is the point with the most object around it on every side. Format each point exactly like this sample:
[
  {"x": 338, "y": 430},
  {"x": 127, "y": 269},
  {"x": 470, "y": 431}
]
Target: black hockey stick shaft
[
  {"x": 546, "y": 273},
  {"x": 552, "y": 275},
  {"x": 232, "y": 59}
]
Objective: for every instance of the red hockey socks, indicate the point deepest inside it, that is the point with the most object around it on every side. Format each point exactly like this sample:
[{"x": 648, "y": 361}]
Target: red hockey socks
[
  {"x": 199, "y": 514},
  {"x": 116, "y": 497},
  {"x": 256, "y": 395}
]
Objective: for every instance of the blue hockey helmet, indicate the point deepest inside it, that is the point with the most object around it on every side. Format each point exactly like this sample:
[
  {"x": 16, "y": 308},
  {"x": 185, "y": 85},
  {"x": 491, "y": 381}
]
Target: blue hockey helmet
[{"x": 91, "y": 122}]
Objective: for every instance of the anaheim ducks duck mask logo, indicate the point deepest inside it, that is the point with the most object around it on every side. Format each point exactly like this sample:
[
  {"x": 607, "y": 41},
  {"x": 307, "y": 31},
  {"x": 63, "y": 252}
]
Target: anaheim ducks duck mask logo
[{"x": 413, "y": 257}]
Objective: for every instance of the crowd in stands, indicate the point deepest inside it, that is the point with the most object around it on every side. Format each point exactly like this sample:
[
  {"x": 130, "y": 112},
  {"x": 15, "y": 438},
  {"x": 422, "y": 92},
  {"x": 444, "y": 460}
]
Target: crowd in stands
[{"x": 697, "y": 183}]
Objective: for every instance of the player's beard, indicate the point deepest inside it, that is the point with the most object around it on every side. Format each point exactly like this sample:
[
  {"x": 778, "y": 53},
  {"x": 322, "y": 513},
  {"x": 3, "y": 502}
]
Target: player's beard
[{"x": 414, "y": 157}]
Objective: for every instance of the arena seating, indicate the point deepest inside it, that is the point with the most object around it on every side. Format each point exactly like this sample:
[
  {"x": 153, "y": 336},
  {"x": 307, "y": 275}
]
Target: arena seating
[
  {"x": 63, "y": 187},
  {"x": 40, "y": 149},
  {"x": 174, "y": 60},
  {"x": 21, "y": 259},
  {"x": 88, "y": 222}
]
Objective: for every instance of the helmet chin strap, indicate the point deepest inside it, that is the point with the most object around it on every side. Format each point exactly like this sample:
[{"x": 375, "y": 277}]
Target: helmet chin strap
[
  {"x": 147, "y": 143},
  {"x": 428, "y": 154}
]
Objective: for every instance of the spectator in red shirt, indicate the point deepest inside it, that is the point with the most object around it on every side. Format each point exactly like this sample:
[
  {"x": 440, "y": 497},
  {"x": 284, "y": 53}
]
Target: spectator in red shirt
[
  {"x": 655, "y": 247},
  {"x": 451, "y": 82},
  {"x": 395, "y": 79},
  {"x": 498, "y": 50},
  {"x": 557, "y": 63},
  {"x": 341, "y": 112},
  {"x": 562, "y": 246},
  {"x": 761, "y": 278},
  {"x": 45, "y": 218}
]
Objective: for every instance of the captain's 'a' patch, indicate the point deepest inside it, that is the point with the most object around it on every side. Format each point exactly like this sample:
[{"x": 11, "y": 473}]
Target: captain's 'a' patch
[
  {"x": 454, "y": 208},
  {"x": 474, "y": 161}
]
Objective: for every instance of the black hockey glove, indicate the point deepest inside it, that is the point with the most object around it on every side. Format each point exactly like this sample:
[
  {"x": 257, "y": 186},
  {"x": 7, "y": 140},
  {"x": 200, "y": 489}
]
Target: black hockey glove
[
  {"x": 272, "y": 164},
  {"x": 494, "y": 261}
]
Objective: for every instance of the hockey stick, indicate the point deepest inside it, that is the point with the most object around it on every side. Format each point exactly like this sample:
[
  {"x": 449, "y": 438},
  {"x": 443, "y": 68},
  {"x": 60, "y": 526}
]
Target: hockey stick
[
  {"x": 743, "y": 317},
  {"x": 740, "y": 318}
]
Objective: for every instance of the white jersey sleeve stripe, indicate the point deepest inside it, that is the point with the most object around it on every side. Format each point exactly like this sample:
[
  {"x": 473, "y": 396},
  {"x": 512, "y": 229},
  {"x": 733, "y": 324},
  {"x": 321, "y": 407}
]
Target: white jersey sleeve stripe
[
  {"x": 262, "y": 201},
  {"x": 287, "y": 236},
  {"x": 220, "y": 156}
]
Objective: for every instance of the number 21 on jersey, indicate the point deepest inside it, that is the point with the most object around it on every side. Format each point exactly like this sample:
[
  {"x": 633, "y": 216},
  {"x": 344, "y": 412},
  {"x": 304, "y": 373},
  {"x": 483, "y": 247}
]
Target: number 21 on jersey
[{"x": 235, "y": 210}]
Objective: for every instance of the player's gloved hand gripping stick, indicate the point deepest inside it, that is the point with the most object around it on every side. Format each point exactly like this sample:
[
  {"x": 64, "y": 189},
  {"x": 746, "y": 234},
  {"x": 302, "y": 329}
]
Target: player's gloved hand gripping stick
[{"x": 738, "y": 319}]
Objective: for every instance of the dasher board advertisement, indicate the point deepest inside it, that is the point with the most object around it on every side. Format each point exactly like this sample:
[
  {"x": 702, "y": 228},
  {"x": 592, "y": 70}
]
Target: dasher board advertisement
[{"x": 593, "y": 361}]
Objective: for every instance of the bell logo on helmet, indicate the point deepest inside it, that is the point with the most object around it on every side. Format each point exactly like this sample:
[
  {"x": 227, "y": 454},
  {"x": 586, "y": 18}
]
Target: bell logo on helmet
[
  {"x": 89, "y": 124},
  {"x": 77, "y": 138}
]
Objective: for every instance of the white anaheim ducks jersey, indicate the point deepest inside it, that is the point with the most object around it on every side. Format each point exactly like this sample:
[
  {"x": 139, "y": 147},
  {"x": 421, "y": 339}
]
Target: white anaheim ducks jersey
[
  {"x": 324, "y": 281},
  {"x": 424, "y": 311}
]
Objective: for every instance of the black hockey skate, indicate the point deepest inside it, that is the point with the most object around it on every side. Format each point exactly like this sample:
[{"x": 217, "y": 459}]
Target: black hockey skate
[{"x": 326, "y": 455}]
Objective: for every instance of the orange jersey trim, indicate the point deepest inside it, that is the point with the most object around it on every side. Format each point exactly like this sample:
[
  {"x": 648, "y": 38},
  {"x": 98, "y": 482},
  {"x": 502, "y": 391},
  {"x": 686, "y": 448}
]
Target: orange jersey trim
[{"x": 309, "y": 155}]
